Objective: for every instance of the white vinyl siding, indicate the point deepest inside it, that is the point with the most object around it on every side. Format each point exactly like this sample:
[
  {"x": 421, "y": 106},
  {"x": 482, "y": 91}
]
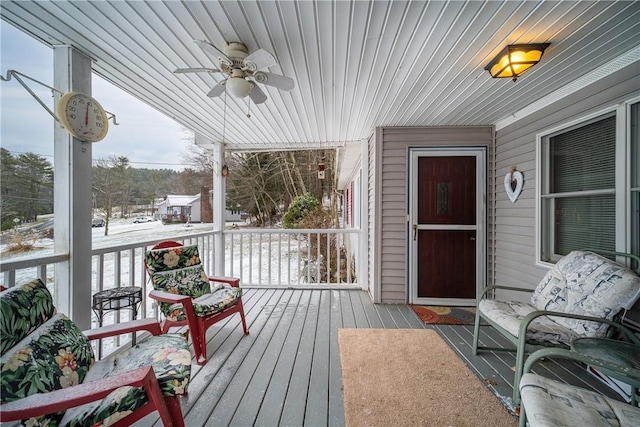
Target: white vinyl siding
[
  {"x": 389, "y": 231},
  {"x": 515, "y": 248}
]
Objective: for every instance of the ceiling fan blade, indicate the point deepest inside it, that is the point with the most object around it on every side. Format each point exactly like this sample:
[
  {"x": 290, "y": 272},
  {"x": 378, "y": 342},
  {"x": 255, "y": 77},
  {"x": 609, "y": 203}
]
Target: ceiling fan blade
[
  {"x": 196, "y": 70},
  {"x": 257, "y": 95},
  {"x": 217, "y": 90},
  {"x": 259, "y": 60},
  {"x": 275, "y": 80},
  {"x": 208, "y": 47}
]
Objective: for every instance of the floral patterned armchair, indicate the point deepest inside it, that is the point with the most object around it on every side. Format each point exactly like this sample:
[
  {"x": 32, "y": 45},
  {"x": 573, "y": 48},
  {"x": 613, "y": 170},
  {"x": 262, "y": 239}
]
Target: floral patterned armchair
[
  {"x": 188, "y": 296},
  {"x": 49, "y": 377},
  {"x": 583, "y": 295}
]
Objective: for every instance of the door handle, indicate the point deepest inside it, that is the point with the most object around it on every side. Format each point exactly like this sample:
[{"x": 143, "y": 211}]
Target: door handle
[
  {"x": 415, "y": 231},
  {"x": 472, "y": 238}
]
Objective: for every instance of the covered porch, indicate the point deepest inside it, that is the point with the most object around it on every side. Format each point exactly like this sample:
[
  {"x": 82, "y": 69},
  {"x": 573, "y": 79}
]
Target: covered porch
[
  {"x": 287, "y": 371},
  {"x": 370, "y": 78}
]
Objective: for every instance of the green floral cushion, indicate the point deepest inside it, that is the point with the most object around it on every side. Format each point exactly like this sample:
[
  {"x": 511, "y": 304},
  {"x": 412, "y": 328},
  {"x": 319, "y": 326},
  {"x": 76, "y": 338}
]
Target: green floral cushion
[
  {"x": 222, "y": 297},
  {"x": 179, "y": 271},
  {"x": 170, "y": 358},
  {"x": 172, "y": 258},
  {"x": 56, "y": 355},
  {"x": 22, "y": 310},
  {"x": 189, "y": 281}
]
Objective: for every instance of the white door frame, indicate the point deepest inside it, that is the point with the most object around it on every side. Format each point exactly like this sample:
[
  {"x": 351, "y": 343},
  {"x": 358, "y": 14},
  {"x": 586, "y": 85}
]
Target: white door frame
[{"x": 480, "y": 154}]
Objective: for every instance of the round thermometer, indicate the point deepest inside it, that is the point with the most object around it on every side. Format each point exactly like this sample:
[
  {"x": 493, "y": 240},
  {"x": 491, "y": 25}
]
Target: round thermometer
[{"x": 83, "y": 117}]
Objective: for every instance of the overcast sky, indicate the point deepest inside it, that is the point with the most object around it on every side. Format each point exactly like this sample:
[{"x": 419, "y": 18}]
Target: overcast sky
[{"x": 146, "y": 137}]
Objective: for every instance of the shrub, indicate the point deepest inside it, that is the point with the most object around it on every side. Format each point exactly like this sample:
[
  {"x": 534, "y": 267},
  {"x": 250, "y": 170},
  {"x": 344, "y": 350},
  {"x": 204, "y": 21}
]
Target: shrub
[
  {"x": 300, "y": 206},
  {"x": 21, "y": 242}
]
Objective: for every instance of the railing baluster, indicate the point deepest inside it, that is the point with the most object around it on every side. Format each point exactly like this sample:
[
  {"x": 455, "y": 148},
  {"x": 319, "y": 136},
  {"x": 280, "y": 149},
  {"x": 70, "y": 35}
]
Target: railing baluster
[
  {"x": 259, "y": 258},
  {"x": 298, "y": 263}
]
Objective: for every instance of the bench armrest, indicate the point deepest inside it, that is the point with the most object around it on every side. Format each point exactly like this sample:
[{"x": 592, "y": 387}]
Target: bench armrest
[
  {"x": 150, "y": 324},
  {"x": 524, "y": 324},
  {"x": 59, "y": 400},
  {"x": 488, "y": 289}
]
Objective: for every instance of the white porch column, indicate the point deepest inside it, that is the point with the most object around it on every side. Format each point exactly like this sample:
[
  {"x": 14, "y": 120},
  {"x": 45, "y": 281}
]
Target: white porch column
[
  {"x": 72, "y": 199},
  {"x": 363, "y": 250},
  {"x": 219, "y": 203}
]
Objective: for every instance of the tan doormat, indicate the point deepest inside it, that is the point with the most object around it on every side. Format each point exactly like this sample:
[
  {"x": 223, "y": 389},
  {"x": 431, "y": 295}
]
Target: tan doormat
[
  {"x": 405, "y": 377},
  {"x": 443, "y": 315}
]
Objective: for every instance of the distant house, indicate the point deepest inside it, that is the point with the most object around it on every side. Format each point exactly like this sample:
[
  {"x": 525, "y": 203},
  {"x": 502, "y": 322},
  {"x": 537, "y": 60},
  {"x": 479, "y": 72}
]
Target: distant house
[
  {"x": 192, "y": 208},
  {"x": 184, "y": 207}
]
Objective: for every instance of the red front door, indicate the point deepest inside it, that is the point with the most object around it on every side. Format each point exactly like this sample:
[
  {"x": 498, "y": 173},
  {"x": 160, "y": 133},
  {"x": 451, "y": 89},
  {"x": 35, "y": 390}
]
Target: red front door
[{"x": 446, "y": 227}]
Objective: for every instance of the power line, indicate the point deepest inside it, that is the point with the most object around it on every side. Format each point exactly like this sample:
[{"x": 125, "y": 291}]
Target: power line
[{"x": 130, "y": 162}]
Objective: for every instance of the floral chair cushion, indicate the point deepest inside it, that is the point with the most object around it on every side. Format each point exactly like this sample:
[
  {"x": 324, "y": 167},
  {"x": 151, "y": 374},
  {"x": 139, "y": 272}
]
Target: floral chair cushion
[
  {"x": 551, "y": 403},
  {"x": 179, "y": 271},
  {"x": 56, "y": 355},
  {"x": 170, "y": 358},
  {"x": 588, "y": 284},
  {"x": 191, "y": 281},
  {"x": 172, "y": 258},
  {"x": 222, "y": 297},
  {"x": 22, "y": 310}
]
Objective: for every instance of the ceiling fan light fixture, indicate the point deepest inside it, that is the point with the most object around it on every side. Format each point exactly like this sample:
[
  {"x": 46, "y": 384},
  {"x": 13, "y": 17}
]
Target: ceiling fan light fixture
[
  {"x": 515, "y": 59},
  {"x": 238, "y": 86}
]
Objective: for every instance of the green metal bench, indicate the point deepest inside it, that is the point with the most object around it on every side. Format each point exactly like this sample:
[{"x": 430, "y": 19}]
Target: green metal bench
[{"x": 583, "y": 295}]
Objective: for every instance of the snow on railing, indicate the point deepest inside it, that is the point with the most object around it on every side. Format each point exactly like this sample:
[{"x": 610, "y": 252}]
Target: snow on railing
[{"x": 259, "y": 257}]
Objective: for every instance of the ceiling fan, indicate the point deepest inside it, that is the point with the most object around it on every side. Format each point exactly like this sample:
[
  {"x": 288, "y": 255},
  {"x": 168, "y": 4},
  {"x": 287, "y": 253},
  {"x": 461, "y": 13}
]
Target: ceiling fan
[{"x": 243, "y": 70}]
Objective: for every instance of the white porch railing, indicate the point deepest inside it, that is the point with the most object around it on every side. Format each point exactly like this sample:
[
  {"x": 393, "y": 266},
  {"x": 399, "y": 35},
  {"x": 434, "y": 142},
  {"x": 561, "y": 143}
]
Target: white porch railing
[{"x": 259, "y": 257}]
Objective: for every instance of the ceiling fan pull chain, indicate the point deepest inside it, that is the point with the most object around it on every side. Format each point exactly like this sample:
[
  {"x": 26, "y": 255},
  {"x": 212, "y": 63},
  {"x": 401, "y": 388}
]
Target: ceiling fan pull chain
[
  {"x": 224, "y": 117},
  {"x": 249, "y": 110}
]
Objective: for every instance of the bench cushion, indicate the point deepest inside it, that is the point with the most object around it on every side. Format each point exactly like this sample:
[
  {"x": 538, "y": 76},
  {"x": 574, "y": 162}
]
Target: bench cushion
[
  {"x": 170, "y": 358},
  {"x": 56, "y": 355},
  {"x": 588, "y": 284},
  {"x": 550, "y": 403},
  {"x": 22, "y": 310},
  {"x": 509, "y": 315}
]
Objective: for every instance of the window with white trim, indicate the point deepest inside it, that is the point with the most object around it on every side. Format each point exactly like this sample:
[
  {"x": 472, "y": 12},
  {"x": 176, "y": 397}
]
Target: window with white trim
[{"x": 589, "y": 195}]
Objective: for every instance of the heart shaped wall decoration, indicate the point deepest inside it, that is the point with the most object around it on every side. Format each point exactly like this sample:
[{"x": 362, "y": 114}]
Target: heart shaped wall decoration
[{"x": 513, "y": 182}]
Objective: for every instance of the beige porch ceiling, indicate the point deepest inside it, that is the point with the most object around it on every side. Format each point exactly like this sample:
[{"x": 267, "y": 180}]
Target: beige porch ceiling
[{"x": 357, "y": 64}]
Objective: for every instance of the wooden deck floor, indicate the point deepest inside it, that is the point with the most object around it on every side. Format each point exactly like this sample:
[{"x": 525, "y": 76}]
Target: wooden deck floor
[{"x": 287, "y": 371}]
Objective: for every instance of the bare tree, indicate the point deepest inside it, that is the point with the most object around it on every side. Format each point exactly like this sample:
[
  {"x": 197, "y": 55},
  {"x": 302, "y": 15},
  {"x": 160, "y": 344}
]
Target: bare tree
[{"x": 107, "y": 186}]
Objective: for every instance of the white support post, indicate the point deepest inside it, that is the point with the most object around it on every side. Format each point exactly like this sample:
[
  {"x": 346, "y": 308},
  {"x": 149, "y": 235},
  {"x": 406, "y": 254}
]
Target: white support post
[
  {"x": 363, "y": 241},
  {"x": 72, "y": 200},
  {"x": 219, "y": 203}
]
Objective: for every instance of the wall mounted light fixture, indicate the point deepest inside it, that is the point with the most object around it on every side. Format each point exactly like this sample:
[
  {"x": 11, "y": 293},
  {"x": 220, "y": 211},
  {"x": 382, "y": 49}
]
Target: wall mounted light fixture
[{"x": 515, "y": 59}]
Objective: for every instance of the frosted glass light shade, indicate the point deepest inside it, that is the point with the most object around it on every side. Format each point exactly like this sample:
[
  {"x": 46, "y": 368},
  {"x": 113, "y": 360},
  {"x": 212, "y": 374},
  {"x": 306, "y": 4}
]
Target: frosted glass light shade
[
  {"x": 515, "y": 59},
  {"x": 238, "y": 87}
]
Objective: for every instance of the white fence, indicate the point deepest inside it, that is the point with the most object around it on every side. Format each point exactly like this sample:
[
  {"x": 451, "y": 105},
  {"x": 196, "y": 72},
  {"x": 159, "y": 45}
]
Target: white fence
[{"x": 259, "y": 257}]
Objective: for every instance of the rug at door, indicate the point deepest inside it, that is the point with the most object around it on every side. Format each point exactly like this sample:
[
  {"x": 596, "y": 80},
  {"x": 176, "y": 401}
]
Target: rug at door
[
  {"x": 411, "y": 377},
  {"x": 442, "y": 315}
]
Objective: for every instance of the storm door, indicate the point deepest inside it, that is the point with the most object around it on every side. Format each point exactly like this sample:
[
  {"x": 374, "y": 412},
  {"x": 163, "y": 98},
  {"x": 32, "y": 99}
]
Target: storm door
[{"x": 447, "y": 234}]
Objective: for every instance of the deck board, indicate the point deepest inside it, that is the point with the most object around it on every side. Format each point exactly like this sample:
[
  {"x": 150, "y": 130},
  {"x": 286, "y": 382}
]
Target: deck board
[{"x": 287, "y": 370}]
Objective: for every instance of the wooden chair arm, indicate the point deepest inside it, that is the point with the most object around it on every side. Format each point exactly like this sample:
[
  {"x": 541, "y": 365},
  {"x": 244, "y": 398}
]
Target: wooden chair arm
[
  {"x": 233, "y": 281},
  {"x": 149, "y": 324},
  {"x": 59, "y": 400},
  {"x": 170, "y": 298}
]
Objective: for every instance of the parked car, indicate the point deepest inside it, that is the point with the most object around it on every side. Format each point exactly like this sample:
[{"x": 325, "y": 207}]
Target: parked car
[
  {"x": 143, "y": 219},
  {"x": 98, "y": 223}
]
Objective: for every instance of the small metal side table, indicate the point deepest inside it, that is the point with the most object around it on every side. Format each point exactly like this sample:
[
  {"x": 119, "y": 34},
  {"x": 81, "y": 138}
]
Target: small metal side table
[
  {"x": 617, "y": 359},
  {"x": 116, "y": 299}
]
